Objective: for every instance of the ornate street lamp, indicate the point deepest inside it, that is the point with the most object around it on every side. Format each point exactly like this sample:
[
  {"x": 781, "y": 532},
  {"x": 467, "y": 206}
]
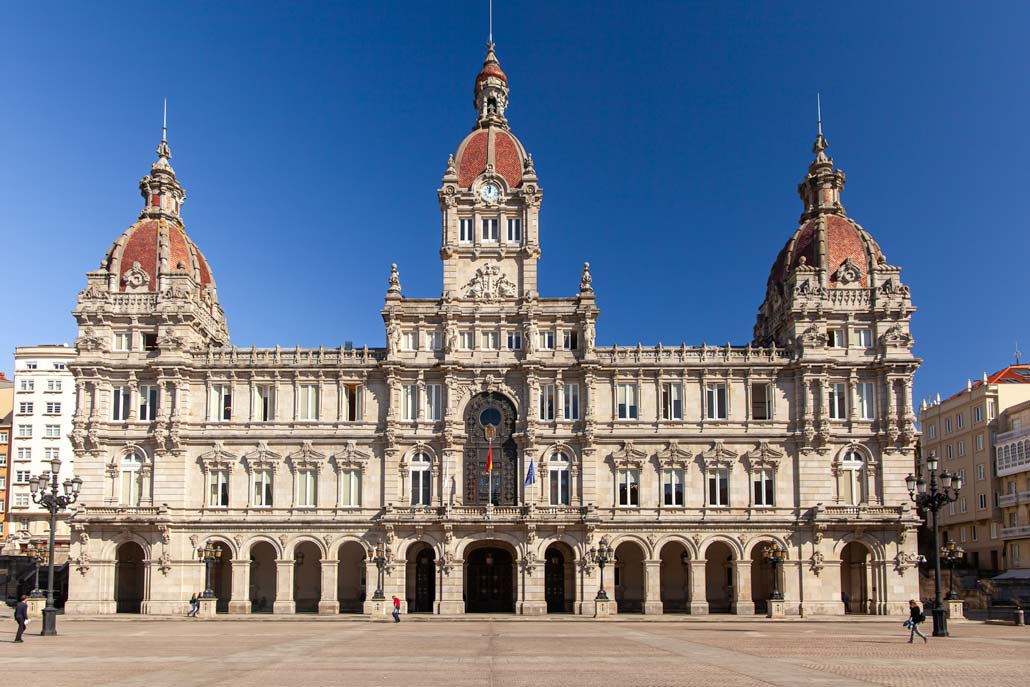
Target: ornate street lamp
[
  {"x": 381, "y": 556},
  {"x": 603, "y": 554},
  {"x": 775, "y": 555},
  {"x": 931, "y": 497},
  {"x": 47, "y": 493},
  {"x": 39, "y": 557},
  {"x": 209, "y": 553},
  {"x": 951, "y": 555}
]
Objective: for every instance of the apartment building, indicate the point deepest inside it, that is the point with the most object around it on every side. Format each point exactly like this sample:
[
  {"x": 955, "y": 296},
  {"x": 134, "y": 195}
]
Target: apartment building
[
  {"x": 1012, "y": 466},
  {"x": 6, "y": 400}
]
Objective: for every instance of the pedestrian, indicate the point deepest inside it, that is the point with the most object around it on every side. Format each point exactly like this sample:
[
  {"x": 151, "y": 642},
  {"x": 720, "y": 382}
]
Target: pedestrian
[
  {"x": 21, "y": 616},
  {"x": 396, "y": 609},
  {"x": 194, "y": 606},
  {"x": 847, "y": 601},
  {"x": 915, "y": 617}
]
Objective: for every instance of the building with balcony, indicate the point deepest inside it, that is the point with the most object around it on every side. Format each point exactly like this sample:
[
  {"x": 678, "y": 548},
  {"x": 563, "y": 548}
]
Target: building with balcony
[
  {"x": 1012, "y": 466},
  {"x": 6, "y": 418},
  {"x": 492, "y": 444}
]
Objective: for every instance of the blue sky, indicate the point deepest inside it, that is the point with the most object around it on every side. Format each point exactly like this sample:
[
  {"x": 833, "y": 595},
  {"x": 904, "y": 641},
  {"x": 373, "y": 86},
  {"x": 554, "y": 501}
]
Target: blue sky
[{"x": 669, "y": 139}]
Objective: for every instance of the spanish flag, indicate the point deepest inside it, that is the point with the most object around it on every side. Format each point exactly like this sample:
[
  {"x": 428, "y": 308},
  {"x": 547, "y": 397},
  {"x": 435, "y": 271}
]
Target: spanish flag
[{"x": 490, "y": 459}]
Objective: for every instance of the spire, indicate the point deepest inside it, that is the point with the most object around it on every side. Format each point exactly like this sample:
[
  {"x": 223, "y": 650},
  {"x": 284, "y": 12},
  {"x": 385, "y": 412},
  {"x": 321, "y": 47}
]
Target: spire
[
  {"x": 820, "y": 190},
  {"x": 162, "y": 194},
  {"x": 491, "y": 91}
]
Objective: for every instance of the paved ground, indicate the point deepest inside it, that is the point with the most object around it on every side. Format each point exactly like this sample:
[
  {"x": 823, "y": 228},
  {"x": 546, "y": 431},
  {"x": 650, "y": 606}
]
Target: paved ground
[{"x": 498, "y": 653}]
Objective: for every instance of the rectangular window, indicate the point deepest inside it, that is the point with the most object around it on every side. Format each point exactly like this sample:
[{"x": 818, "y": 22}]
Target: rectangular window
[
  {"x": 629, "y": 487},
  {"x": 672, "y": 487},
  {"x": 53, "y": 385},
  {"x": 3, "y": 482},
  {"x": 221, "y": 403},
  {"x": 762, "y": 483},
  {"x": 947, "y": 425},
  {"x": 3, "y": 463},
  {"x": 129, "y": 487},
  {"x": 26, "y": 385},
  {"x": 570, "y": 340},
  {"x": 24, "y": 408},
  {"x": 672, "y": 401},
  {"x": 991, "y": 409},
  {"x": 715, "y": 401},
  {"x": 307, "y": 488},
  {"x": 263, "y": 400},
  {"x": 932, "y": 431},
  {"x": 351, "y": 393},
  {"x": 835, "y": 338},
  {"x": 979, "y": 442},
  {"x": 514, "y": 230},
  {"x": 3, "y": 436},
  {"x": 350, "y": 488},
  {"x": 982, "y": 501},
  {"x": 409, "y": 402},
  {"x": 22, "y": 500},
  {"x": 547, "y": 401},
  {"x": 148, "y": 403},
  {"x": 962, "y": 505},
  {"x": 434, "y": 341},
  {"x": 547, "y": 341},
  {"x": 60, "y": 366},
  {"x": 120, "y": 403},
  {"x": 466, "y": 342},
  {"x": 626, "y": 399},
  {"x": 218, "y": 488},
  {"x": 491, "y": 341},
  {"x": 981, "y": 473},
  {"x": 51, "y": 452},
  {"x": 948, "y": 452},
  {"x": 465, "y": 230},
  {"x": 489, "y": 229},
  {"x": 24, "y": 431},
  {"x": 263, "y": 488},
  {"x": 25, "y": 453},
  {"x": 514, "y": 341},
  {"x": 761, "y": 401},
  {"x": 571, "y": 401},
  {"x": 31, "y": 366},
  {"x": 838, "y": 401},
  {"x": 421, "y": 488},
  {"x": 864, "y": 338},
  {"x": 719, "y": 487},
  {"x": 972, "y": 532},
  {"x": 958, "y": 420},
  {"x": 308, "y": 401},
  {"x": 52, "y": 431},
  {"x": 148, "y": 341},
  {"x": 53, "y": 408},
  {"x": 121, "y": 341},
  {"x": 866, "y": 401},
  {"x": 434, "y": 402},
  {"x": 962, "y": 448},
  {"x": 978, "y": 414},
  {"x": 994, "y": 530},
  {"x": 962, "y": 533},
  {"x": 409, "y": 341},
  {"x": 22, "y": 476}
]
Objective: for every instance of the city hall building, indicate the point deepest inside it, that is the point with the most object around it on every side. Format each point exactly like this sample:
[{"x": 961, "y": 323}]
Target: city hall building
[{"x": 492, "y": 445}]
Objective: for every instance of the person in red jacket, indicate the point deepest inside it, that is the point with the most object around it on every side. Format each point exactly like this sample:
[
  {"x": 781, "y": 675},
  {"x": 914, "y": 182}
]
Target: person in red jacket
[{"x": 396, "y": 609}]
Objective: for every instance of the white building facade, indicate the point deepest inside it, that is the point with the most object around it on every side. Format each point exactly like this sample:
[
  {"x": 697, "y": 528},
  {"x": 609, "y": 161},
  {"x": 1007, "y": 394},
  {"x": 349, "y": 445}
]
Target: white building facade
[
  {"x": 689, "y": 461},
  {"x": 44, "y": 406}
]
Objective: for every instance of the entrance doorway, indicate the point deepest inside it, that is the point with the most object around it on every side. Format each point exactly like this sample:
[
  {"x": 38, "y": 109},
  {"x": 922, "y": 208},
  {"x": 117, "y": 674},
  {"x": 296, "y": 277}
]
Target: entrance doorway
[
  {"x": 129, "y": 578},
  {"x": 675, "y": 577},
  {"x": 421, "y": 576},
  {"x": 307, "y": 577},
  {"x": 263, "y": 575},
  {"x": 854, "y": 578},
  {"x": 490, "y": 581},
  {"x": 719, "y": 577},
  {"x": 559, "y": 579},
  {"x": 350, "y": 577},
  {"x": 629, "y": 578}
]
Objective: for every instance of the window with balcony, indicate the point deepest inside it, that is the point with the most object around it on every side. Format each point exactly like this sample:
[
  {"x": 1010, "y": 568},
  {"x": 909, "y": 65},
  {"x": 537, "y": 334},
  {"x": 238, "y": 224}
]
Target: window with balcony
[
  {"x": 130, "y": 480},
  {"x": 558, "y": 479},
  {"x": 851, "y": 489},
  {"x": 421, "y": 480}
]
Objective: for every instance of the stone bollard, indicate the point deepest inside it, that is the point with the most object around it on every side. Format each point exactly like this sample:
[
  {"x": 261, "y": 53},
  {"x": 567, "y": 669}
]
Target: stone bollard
[
  {"x": 777, "y": 608},
  {"x": 208, "y": 608},
  {"x": 602, "y": 608},
  {"x": 36, "y": 605},
  {"x": 1017, "y": 617},
  {"x": 378, "y": 609},
  {"x": 954, "y": 609}
]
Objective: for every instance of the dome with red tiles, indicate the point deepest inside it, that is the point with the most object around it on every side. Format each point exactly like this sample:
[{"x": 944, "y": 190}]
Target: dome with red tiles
[{"x": 490, "y": 146}]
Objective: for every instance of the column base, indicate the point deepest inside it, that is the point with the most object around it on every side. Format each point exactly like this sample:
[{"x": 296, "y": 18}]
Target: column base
[
  {"x": 603, "y": 608},
  {"x": 777, "y": 608},
  {"x": 377, "y": 608},
  {"x": 954, "y": 609},
  {"x": 653, "y": 608},
  {"x": 208, "y": 608},
  {"x": 743, "y": 608},
  {"x": 239, "y": 607},
  {"x": 532, "y": 608},
  {"x": 284, "y": 608},
  {"x": 698, "y": 607},
  {"x": 328, "y": 607},
  {"x": 450, "y": 608}
]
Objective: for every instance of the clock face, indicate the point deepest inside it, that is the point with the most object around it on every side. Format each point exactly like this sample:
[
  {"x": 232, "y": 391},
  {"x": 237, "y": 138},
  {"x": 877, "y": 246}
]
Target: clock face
[{"x": 489, "y": 192}]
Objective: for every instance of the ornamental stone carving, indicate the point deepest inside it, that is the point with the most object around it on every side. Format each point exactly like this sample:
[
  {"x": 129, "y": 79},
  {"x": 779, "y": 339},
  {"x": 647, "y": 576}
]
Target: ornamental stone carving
[
  {"x": 490, "y": 284},
  {"x": 136, "y": 278},
  {"x": 848, "y": 273}
]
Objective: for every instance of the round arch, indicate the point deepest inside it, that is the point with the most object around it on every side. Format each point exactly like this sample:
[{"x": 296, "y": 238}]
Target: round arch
[
  {"x": 226, "y": 542},
  {"x": 764, "y": 539},
  {"x": 686, "y": 542},
  {"x": 248, "y": 545},
  {"x": 474, "y": 541},
  {"x": 628, "y": 572},
  {"x": 733, "y": 544},
  {"x": 421, "y": 447},
  {"x": 490, "y": 575},
  {"x": 111, "y": 546},
  {"x": 615, "y": 541},
  {"x": 323, "y": 552},
  {"x": 130, "y": 577},
  {"x": 502, "y": 390}
]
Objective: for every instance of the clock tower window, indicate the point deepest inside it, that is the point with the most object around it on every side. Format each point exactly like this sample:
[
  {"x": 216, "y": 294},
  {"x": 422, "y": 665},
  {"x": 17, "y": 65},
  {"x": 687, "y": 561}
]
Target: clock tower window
[
  {"x": 514, "y": 230},
  {"x": 490, "y": 229},
  {"x": 465, "y": 226}
]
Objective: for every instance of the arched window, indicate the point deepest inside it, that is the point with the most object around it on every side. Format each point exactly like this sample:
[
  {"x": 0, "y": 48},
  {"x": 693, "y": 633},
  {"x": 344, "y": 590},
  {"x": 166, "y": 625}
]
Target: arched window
[
  {"x": 130, "y": 479},
  {"x": 421, "y": 480},
  {"x": 852, "y": 486},
  {"x": 1020, "y": 455},
  {"x": 558, "y": 477}
]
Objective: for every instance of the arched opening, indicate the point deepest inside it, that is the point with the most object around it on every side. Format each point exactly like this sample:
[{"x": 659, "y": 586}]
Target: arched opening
[
  {"x": 221, "y": 577},
  {"x": 629, "y": 578},
  {"x": 854, "y": 578},
  {"x": 129, "y": 578},
  {"x": 350, "y": 577},
  {"x": 489, "y": 425},
  {"x": 420, "y": 576},
  {"x": 262, "y": 577},
  {"x": 307, "y": 577},
  {"x": 719, "y": 577},
  {"x": 762, "y": 577},
  {"x": 675, "y": 578},
  {"x": 559, "y": 578},
  {"x": 490, "y": 579}
]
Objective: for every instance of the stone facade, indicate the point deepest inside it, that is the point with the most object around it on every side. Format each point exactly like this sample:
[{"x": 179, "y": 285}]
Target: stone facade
[{"x": 688, "y": 460}]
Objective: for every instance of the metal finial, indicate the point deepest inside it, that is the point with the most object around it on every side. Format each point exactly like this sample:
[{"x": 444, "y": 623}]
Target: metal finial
[
  {"x": 164, "y": 123},
  {"x": 819, "y": 112},
  {"x": 490, "y": 35}
]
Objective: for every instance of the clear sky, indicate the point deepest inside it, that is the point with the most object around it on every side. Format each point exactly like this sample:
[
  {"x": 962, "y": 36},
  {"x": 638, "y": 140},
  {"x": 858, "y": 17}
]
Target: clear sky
[{"x": 669, "y": 139}]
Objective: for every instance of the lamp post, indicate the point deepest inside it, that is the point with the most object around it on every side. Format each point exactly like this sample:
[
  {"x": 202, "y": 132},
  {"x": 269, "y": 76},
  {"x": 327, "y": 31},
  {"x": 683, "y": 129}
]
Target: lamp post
[
  {"x": 603, "y": 554},
  {"x": 931, "y": 497},
  {"x": 775, "y": 554},
  {"x": 46, "y": 492},
  {"x": 39, "y": 557},
  {"x": 209, "y": 553},
  {"x": 951, "y": 554},
  {"x": 381, "y": 556}
]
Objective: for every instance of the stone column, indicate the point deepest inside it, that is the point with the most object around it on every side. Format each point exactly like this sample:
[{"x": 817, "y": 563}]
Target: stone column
[
  {"x": 328, "y": 603},
  {"x": 790, "y": 579},
  {"x": 374, "y": 607},
  {"x": 450, "y": 592},
  {"x": 284, "y": 604},
  {"x": 240, "y": 600},
  {"x": 698, "y": 594},
  {"x": 742, "y": 603},
  {"x": 532, "y": 600},
  {"x": 653, "y": 587}
]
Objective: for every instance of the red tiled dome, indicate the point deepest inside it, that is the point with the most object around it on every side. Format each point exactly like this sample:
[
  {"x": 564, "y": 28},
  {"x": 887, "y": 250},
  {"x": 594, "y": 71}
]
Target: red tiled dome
[
  {"x": 142, "y": 244},
  {"x": 484, "y": 145},
  {"x": 845, "y": 239},
  {"x": 491, "y": 69}
]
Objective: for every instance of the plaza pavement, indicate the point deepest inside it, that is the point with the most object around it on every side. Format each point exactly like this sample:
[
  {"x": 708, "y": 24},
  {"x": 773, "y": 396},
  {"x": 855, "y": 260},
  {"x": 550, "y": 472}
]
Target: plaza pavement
[{"x": 499, "y": 652}]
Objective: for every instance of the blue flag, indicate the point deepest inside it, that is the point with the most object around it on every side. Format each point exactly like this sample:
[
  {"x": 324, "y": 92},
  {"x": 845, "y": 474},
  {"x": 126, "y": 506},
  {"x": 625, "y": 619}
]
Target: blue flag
[{"x": 531, "y": 474}]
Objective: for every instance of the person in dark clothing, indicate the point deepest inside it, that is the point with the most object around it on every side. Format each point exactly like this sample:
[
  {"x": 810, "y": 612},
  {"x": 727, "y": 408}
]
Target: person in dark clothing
[
  {"x": 194, "y": 606},
  {"x": 396, "y": 609},
  {"x": 21, "y": 616},
  {"x": 915, "y": 618}
]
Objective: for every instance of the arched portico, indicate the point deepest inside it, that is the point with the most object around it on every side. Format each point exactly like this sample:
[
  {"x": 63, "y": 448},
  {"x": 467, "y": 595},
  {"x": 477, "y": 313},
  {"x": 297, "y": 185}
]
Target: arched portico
[
  {"x": 351, "y": 587},
  {"x": 629, "y": 577},
  {"x": 855, "y": 578},
  {"x": 762, "y": 576},
  {"x": 420, "y": 578},
  {"x": 720, "y": 577},
  {"x": 490, "y": 577},
  {"x": 263, "y": 577},
  {"x": 129, "y": 578},
  {"x": 559, "y": 578},
  {"x": 675, "y": 577},
  {"x": 307, "y": 577}
]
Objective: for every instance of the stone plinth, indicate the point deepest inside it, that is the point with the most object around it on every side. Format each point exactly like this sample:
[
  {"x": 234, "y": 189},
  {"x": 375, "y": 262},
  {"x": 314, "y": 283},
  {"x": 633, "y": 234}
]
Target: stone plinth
[
  {"x": 603, "y": 608},
  {"x": 36, "y": 605},
  {"x": 208, "y": 608},
  {"x": 776, "y": 608},
  {"x": 954, "y": 609},
  {"x": 378, "y": 609}
]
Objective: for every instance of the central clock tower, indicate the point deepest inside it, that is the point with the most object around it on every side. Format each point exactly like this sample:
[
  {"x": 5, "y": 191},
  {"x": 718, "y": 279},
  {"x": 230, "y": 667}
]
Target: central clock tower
[{"x": 490, "y": 203}]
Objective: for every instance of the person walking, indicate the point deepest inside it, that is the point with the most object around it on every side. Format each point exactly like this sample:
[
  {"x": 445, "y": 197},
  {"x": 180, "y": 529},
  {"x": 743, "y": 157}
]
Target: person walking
[
  {"x": 396, "y": 609},
  {"x": 915, "y": 617},
  {"x": 21, "y": 616},
  {"x": 194, "y": 606}
]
